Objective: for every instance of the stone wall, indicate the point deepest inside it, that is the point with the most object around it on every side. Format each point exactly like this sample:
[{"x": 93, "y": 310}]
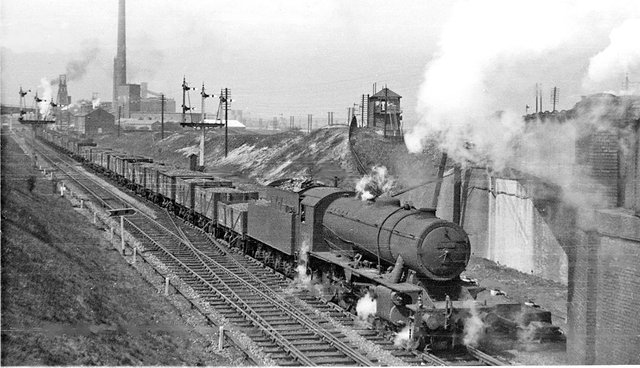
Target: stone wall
[{"x": 605, "y": 289}]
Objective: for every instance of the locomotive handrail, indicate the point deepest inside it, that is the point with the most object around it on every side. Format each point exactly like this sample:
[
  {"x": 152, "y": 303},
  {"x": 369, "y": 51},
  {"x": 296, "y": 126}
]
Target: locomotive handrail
[{"x": 380, "y": 231}]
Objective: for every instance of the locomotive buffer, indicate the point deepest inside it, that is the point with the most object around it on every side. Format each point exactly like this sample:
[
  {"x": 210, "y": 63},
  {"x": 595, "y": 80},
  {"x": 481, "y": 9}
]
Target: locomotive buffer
[{"x": 122, "y": 212}]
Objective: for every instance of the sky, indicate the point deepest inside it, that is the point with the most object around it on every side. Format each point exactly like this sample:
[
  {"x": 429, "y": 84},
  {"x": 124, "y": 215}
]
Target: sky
[{"x": 298, "y": 57}]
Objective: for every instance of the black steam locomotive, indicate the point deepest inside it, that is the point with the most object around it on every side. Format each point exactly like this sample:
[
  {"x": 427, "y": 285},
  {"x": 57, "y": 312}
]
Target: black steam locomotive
[{"x": 407, "y": 260}]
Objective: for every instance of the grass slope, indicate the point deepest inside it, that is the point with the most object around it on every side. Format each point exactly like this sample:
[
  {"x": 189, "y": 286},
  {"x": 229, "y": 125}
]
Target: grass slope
[{"x": 67, "y": 297}]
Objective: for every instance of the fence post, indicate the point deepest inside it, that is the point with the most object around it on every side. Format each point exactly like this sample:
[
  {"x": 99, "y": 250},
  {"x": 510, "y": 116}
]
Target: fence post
[
  {"x": 122, "y": 235},
  {"x": 220, "y": 337},
  {"x": 166, "y": 286}
]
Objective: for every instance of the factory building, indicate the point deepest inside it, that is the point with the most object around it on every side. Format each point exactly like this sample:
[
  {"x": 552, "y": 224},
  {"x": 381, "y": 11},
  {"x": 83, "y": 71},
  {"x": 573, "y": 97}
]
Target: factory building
[
  {"x": 131, "y": 98},
  {"x": 97, "y": 121}
]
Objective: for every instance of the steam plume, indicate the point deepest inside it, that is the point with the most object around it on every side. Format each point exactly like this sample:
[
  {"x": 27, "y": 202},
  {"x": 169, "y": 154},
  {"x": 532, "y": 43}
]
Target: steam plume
[
  {"x": 375, "y": 184},
  {"x": 484, "y": 45},
  {"x": 366, "y": 307},
  {"x": 621, "y": 56},
  {"x": 473, "y": 326},
  {"x": 43, "y": 106},
  {"x": 403, "y": 337},
  {"x": 302, "y": 278}
]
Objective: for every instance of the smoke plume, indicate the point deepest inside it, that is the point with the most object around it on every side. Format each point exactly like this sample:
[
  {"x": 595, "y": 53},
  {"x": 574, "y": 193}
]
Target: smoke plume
[
  {"x": 375, "y": 184},
  {"x": 76, "y": 69}
]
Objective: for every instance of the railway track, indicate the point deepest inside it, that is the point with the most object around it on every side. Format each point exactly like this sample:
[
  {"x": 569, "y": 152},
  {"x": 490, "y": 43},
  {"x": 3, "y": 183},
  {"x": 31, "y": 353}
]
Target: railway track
[
  {"x": 294, "y": 328},
  {"x": 289, "y": 336}
]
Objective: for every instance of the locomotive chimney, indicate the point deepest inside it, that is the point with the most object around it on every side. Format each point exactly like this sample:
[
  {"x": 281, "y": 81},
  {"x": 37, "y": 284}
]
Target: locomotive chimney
[{"x": 120, "y": 61}]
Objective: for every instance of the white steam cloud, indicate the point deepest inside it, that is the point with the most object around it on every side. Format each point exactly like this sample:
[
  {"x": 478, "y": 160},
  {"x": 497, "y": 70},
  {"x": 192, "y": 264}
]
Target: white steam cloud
[
  {"x": 483, "y": 41},
  {"x": 375, "y": 184},
  {"x": 403, "y": 338},
  {"x": 484, "y": 46},
  {"x": 473, "y": 326},
  {"x": 366, "y": 307},
  {"x": 302, "y": 278},
  {"x": 620, "y": 57},
  {"x": 47, "y": 93}
]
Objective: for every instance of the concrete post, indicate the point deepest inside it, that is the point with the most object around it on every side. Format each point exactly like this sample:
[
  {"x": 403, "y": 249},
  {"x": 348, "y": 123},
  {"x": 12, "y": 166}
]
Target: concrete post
[
  {"x": 220, "y": 337},
  {"x": 166, "y": 286},
  {"x": 95, "y": 218},
  {"x": 135, "y": 253},
  {"x": 111, "y": 232},
  {"x": 122, "y": 235},
  {"x": 81, "y": 203}
]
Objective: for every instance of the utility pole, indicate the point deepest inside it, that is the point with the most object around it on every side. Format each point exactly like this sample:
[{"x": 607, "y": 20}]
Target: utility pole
[
  {"x": 291, "y": 122},
  {"x": 536, "y": 98},
  {"x": 309, "y": 123},
  {"x": 162, "y": 116},
  {"x": 362, "y": 122},
  {"x": 225, "y": 98},
  {"x": 554, "y": 98}
]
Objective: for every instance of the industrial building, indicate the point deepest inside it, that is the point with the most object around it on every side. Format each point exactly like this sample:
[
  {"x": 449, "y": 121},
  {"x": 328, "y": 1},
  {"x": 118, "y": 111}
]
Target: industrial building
[
  {"x": 130, "y": 98},
  {"x": 97, "y": 121}
]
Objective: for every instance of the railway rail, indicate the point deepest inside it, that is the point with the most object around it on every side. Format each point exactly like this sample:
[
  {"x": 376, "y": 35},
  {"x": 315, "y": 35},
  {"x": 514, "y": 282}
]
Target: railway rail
[{"x": 292, "y": 327}]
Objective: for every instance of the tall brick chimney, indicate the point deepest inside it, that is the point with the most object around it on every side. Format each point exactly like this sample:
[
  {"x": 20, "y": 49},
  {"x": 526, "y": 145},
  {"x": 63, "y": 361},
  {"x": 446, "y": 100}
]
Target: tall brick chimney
[{"x": 120, "y": 61}]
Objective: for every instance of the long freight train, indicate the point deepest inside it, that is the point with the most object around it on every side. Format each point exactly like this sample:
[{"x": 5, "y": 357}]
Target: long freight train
[{"x": 407, "y": 260}]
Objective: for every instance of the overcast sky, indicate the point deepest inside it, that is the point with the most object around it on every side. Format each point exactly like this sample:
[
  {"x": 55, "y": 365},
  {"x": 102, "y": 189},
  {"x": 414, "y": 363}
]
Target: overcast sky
[{"x": 296, "y": 57}]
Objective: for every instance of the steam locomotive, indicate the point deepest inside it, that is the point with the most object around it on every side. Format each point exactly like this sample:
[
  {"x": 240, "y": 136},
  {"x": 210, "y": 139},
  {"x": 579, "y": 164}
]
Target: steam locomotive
[{"x": 406, "y": 259}]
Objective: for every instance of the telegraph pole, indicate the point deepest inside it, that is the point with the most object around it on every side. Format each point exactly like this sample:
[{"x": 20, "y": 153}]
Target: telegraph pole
[
  {"x": 226, "y": 121},
  {"x": 554, "y": 97},
  {"x": 118, "y": 121},
  {"x": 309, "y": 123},
  {"x": 162, "y": 116}
]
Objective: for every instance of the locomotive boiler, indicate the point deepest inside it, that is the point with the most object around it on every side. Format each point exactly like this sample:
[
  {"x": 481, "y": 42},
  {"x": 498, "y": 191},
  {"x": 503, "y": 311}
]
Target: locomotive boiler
[{"x": 436, "y": 249}]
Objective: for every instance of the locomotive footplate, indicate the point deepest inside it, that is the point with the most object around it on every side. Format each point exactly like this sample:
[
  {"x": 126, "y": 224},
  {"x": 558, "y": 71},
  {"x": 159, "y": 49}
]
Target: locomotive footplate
[{"x": 369, "y": 273}]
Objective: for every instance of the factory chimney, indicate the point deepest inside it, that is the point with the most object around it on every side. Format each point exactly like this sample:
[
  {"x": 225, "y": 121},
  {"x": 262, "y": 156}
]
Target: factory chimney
[{"x": 120, "y": 61}]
